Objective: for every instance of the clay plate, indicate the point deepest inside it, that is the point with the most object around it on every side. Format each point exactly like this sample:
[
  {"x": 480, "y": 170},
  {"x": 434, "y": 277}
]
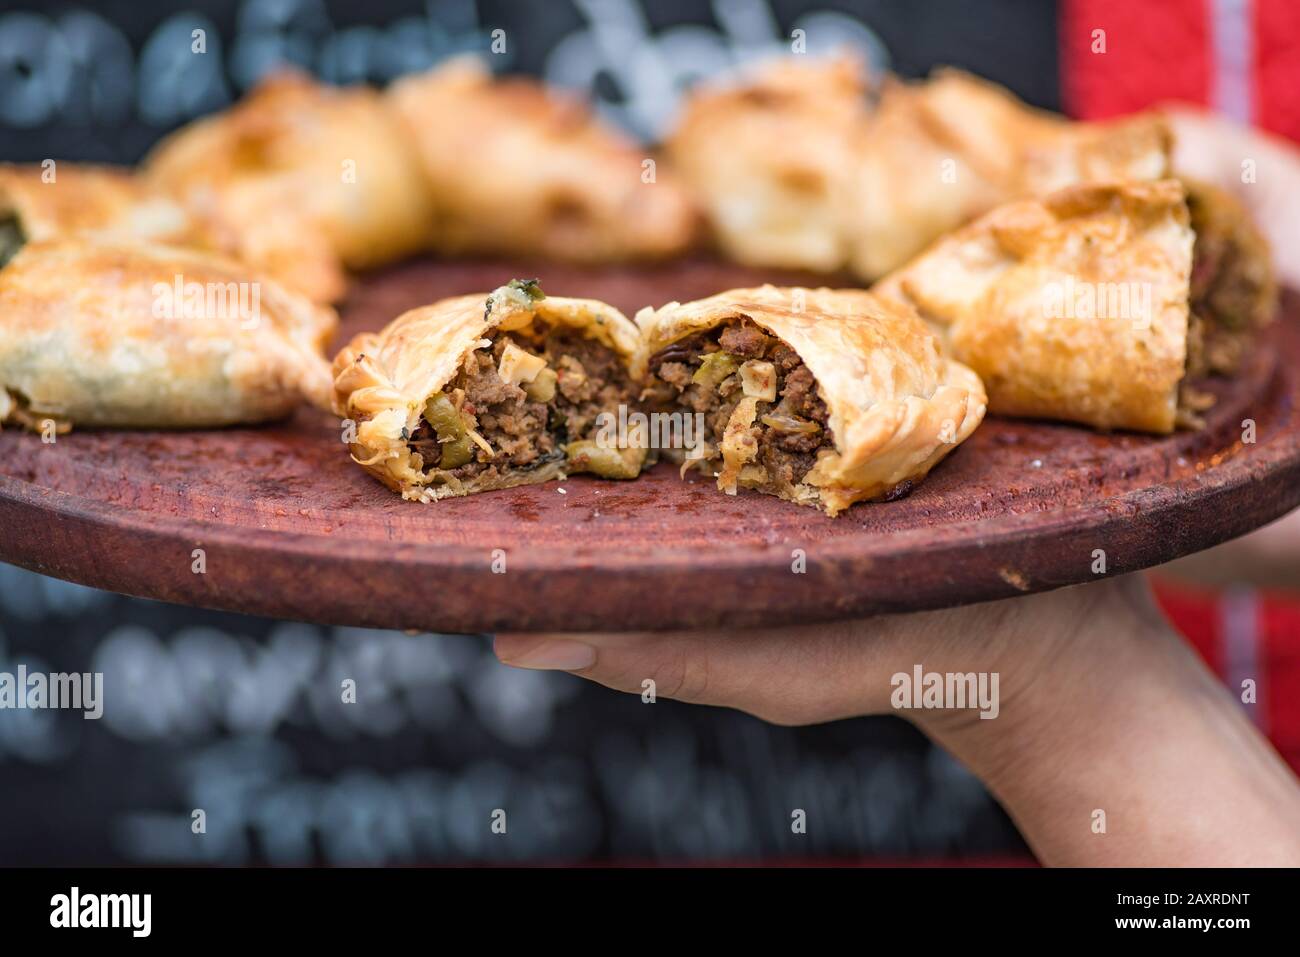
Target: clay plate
[{"x": 291, "y": 528}]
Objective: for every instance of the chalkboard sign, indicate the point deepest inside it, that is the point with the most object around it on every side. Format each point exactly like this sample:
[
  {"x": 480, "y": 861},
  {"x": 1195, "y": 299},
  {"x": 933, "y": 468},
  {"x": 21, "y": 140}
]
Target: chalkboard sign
[{"x": 104, "y": 81}]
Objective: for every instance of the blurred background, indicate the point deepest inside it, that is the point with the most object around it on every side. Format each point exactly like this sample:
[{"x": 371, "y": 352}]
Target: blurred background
[{"x": 231, "y": 714}]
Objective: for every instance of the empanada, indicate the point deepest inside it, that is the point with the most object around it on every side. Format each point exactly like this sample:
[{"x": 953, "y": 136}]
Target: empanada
[
  {"x": 491, "y": 391},
  {"x": 301, "y": 180},
  {"x": 517, "y": 169},
  {"x": 39, "y": 203},
  {"x": 1099, "y": 304},
  {"x": 823, "y": 397},
  {"x": 768, "y": 154},
  {"x": 103, "y": 333},
  {"x": 938, "y": 153}
]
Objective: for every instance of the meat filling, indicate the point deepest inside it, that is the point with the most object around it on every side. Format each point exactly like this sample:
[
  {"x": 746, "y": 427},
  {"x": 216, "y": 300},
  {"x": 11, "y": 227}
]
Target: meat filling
[
  {"x": 483, "y": 427},
  {"x": 1232, "y": 293},
  {"x": 764, "y": 418}
]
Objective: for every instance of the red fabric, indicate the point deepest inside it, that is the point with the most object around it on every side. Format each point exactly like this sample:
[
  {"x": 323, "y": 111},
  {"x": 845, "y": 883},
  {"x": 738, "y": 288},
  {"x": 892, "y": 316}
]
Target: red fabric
[
  {"x": 1280, "y": 621},
  {"x": 1155, "y": 50},
  {"x": 1197, "y": 615},
  {"x": 1277, "y": 66},
  {"x": 1159, "y": 50}
]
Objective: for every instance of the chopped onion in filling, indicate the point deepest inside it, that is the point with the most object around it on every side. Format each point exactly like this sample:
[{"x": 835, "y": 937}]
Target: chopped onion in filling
[
  {"x": 739, "y": 446},
  {"x": 481, "y": 442},
  {"x": 518, "y": 366},
  {"x": 790, "y": 423},
  {"x": 758, "y": 379}
]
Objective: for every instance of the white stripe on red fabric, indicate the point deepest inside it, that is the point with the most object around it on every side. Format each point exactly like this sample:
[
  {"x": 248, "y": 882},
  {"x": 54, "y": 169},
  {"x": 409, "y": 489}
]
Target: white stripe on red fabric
[
  {"x": 1233, "y": 50},
  {"x": 1239, "y": 637}
]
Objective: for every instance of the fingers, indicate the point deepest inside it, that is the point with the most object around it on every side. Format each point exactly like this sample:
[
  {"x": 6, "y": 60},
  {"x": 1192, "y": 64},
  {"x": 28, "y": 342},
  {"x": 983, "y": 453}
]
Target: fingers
[
  {"x": 797, "y": 675},
  {"x": 632, "y": 662},
  {"x": 545, "y": 653},
  {"x": 814, "y": 673}
]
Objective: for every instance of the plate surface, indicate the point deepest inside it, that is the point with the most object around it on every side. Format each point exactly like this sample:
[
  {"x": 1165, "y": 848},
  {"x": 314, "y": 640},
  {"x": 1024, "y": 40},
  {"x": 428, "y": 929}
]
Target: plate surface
[{"x": 289, "y": 527}]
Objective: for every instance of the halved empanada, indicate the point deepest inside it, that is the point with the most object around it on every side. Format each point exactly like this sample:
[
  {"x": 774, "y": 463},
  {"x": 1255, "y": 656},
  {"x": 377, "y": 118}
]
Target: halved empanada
[
  {"x": 100, "y": 333},
  {"x": 300, "y": 180},
  {"x": 823, "y": 397},
  {"x": 62, "y": 200},
  {"x": 938, "y": 153},
  {"x": 491, "y": 391},
  {"x": 1097, "y": 304},
  {"x": 518, "y": 169},
  {"x": 768, "y": 154}
]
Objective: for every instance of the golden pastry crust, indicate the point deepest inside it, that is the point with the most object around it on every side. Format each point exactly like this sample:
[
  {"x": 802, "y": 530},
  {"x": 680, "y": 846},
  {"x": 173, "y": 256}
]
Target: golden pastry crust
[
  {"x": 896, "y": 405},
  {"x": 300, "y": 180},
  {"x": 1072, "y": 307},
  {"x": 382, "y": 380},
  {"x": 519, "y": 169},
  {"x": 73, "y": 199},
  {"x": 1136, "y": 147},
  {"x": 91, "y": 334},
  {"x": 938, "y": 153},
  {"x": 768, "y": 155}
]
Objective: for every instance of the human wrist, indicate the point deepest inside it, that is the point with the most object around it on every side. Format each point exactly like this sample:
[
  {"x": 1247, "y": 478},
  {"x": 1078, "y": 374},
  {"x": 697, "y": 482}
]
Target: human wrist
[{"x": 1118, "y": 746}]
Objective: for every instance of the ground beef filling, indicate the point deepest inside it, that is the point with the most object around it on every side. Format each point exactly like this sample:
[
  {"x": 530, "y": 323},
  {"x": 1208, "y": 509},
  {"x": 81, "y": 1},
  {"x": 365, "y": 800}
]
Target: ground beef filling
[
  {"x": 1231, "y": 292},
  {"x": 789, "y": 432},
  {"x": 523, "y": 432}
]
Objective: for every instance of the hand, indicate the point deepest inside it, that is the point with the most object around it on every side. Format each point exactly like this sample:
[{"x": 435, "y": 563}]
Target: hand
[
  {"x": 804, "y": 674},
  {"x": 1101, "y": 708}
]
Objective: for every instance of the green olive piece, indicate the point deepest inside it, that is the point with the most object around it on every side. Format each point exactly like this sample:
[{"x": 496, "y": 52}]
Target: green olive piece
[
  {"x": 457, "y": 446},
  {"x": 457, "y": 453},
  {"x": 715, "y": 367},
  {"x": 607, "y": 462},
  {"x": 444, "y": 417},
  {"x": 542, "y": 388}
]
